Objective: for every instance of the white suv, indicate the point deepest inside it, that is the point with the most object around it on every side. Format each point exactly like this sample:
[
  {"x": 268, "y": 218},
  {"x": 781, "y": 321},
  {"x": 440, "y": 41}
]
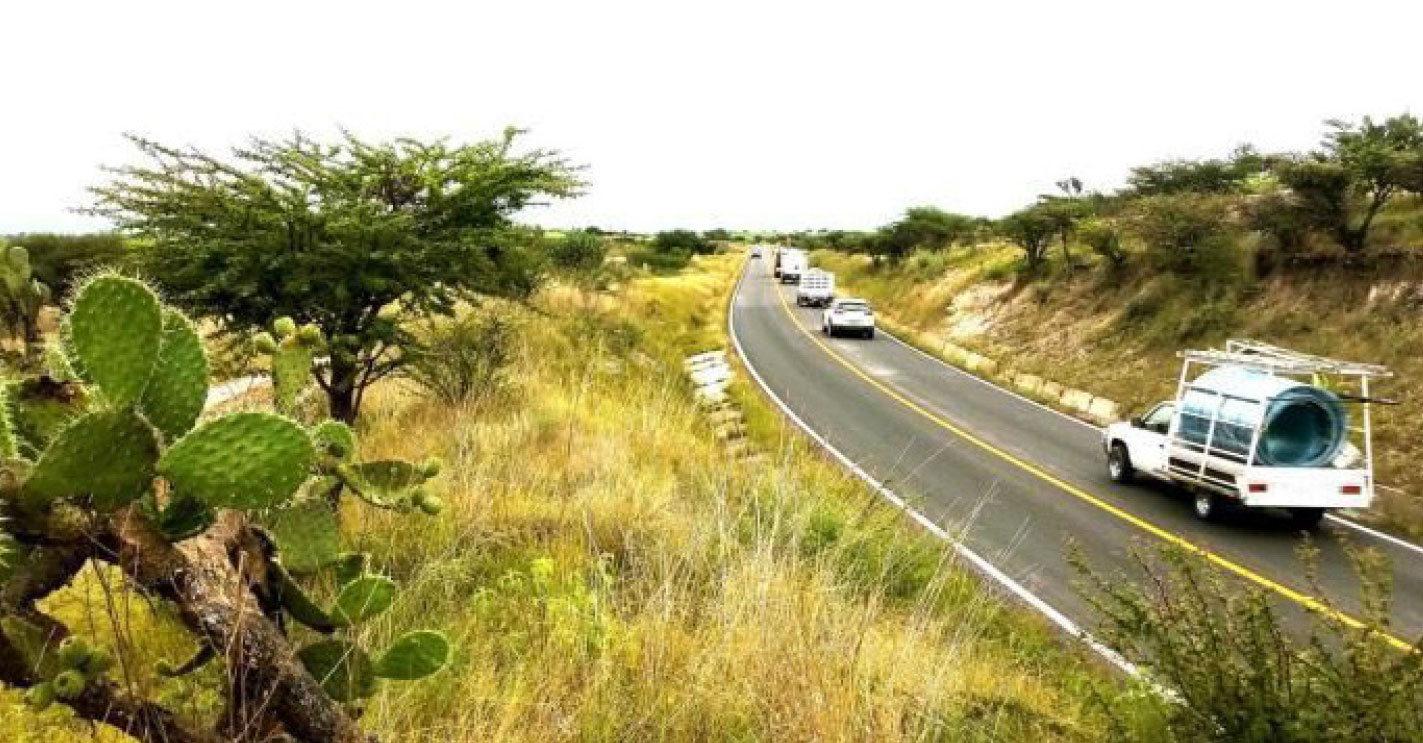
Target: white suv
[{"x": 853, "y": 315}]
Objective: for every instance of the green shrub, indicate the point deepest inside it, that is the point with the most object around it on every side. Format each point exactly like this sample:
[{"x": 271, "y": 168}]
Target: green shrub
[
  {"x": 1237, "y": 674},
  {"x": 465, "y": 358},
  {"x": 1188, "y": 234}
]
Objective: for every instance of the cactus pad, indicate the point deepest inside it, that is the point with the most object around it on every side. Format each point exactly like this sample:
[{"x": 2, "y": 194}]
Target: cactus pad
[
  {"x": 350, "y": 566},
  {"x": 414, "y": 655},
  {"x": 363, "y": 598},
  {"x": 178, "y": 389},
  {"x": 108, "y": 454},
  {"x": 115, "y": 329},
  {"x": 291, "y": 371},
  {"x": 37, "y": 645},
  {"x": 298, "y": 605},
  {"x": 243, "y": 460},
  {"x": 307, "y": 534},
  {"x": 386, "y": 483},
  {"x": 343, "y": 670},
  {"x": 335, "y": 438}
]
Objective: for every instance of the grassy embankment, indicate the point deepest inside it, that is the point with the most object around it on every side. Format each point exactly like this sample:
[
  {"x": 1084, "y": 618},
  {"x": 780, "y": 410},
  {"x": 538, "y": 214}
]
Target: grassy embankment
[
  {"x": 1116, "y": 333},
  {"x": 610, "y": 572}
]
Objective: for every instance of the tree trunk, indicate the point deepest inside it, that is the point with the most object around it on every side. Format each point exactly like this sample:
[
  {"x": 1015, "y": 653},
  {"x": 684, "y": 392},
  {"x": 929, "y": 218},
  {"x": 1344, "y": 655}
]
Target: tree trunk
[
  {"x": 341, "y": 392},
  {"x": 210, "y": 578}
]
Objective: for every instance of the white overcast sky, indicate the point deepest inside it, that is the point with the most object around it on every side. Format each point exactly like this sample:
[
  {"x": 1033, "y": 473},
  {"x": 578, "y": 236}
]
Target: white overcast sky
[{"x": 782, "y": 115}]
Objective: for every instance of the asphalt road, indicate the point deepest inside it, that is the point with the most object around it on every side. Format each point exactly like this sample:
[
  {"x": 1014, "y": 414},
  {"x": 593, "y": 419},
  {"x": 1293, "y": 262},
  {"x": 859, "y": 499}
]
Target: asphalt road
[{"x": 1018, "y": 482}]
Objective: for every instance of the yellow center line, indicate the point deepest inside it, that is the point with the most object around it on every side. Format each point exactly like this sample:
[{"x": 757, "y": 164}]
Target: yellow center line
[{"x": 1309, "y": 602}]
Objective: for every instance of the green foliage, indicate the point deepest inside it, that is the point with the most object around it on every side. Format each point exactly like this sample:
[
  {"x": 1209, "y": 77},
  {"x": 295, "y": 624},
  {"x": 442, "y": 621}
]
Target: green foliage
[
  {"x": 465, "y": 358},
  {"x": 1030, "y": 229},
  {"x": 307, "y": 534},
  {"x": 1104, "y": 238},
  {"x": 1231, "y": 175},
  {"x": 578, "y": 254},
  {"x": 62, "y": 261},
  {"x": 363, "y": 598},
  {"x": 1236, "y": 672},
  {"x": 334, "y": 234},
  {"x": 684, "y": 242},
  {"x": 1188, "y": 234}
]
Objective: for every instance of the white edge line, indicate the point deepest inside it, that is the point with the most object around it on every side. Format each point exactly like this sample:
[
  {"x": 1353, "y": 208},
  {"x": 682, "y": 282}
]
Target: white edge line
[
  {"x": 1384, "y": 536},
  {"x": 983, "y": 565}
]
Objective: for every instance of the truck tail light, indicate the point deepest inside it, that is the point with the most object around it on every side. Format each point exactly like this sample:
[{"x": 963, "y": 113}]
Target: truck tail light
[
  {"x": 1257, "y": 487},
  {"x": 1351, "y": 489}
]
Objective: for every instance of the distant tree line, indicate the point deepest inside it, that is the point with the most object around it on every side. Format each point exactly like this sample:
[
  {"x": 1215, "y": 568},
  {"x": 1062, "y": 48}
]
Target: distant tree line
[{"x": 1187, "y": 216}]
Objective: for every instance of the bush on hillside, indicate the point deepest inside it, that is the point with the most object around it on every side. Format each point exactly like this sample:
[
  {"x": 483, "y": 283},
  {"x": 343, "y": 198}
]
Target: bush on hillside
[
  {"x": 1236, "y": 671},
  {"x": 1104, "y": 238},
  {"x": 682, "y": 241},
  {"x": 1188, "y": 234}
]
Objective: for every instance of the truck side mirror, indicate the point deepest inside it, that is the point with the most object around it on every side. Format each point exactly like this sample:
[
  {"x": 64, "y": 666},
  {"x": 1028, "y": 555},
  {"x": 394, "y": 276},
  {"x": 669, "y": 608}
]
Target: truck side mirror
[{"x": 1137, "y": 422}]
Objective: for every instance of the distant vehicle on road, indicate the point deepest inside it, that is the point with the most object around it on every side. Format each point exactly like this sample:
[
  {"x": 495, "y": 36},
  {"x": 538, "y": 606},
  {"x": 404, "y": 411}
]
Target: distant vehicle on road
[
  {"x": 848, "y": 315},
  {"x": 816, "y": 289},
  {"x": 1256, "y": 426},
  {"x": 792, "y": 264},
  {"x": 755, "y": 251}
]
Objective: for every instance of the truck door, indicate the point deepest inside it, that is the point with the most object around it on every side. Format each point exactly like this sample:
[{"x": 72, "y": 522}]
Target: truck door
[{"x": 1148, "y": 442}]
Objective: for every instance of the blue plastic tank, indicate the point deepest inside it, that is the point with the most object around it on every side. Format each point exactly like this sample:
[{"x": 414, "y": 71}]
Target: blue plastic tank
[{"x": 1303, "y": 425}]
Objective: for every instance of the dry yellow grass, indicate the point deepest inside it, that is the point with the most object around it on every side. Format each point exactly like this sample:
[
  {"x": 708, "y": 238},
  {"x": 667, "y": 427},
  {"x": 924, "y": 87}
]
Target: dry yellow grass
[{"x": 609, "y": 572}]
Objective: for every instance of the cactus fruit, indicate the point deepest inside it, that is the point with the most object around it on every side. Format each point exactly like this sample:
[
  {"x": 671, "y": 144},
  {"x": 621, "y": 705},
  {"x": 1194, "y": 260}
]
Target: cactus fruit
[
  {"x": 243, "y": 460},
  {"x": 413, "y": 656},
  {"x": 310, "y": 336},
  {"x": 285, "y": 327},
  {"x": 73, "y": 651},
  {"x": 363, "y": 598},
  {"x": 114, "y": 330},
  {"x": 108, "y": 455},
  {"x": 178, "y": 388},
  {"x": 96, "y": 663},
  {"x": 432, "y": 467},
  {"x": 344, "y": 670},
  {"x": 68, "y": 684}
]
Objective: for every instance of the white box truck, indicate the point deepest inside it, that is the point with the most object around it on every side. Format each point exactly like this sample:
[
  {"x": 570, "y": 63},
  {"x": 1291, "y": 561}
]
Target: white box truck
[
  {"x": 816, "y": 288},
  {"x": 793, "y": 263},
  {"x": 1257, "y": 426}
]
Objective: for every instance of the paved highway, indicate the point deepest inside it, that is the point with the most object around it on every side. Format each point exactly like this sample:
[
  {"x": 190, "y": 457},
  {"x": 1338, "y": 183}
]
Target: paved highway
[{"x": 1016, "y": 481}]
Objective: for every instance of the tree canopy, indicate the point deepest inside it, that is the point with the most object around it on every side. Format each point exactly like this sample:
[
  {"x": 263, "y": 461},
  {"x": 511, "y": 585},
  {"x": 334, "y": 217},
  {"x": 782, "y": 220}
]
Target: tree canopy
[{"x": 352, "y": 236}]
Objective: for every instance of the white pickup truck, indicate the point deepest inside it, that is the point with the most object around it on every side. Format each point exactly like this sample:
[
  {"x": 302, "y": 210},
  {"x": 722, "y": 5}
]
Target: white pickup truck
[
  {"x": 1259, "y": 428},
  {"x": 816, "y": 289}
]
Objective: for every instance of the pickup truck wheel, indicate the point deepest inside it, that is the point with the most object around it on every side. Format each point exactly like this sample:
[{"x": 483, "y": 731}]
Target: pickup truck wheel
[
  {"x": 1306, "y": 518},
  {"x": 1119, "y": 463},
  {"x": 830, "y": 330},
  {"x": 1209, "y": 506},
  {"x": 870, "y": 334}
]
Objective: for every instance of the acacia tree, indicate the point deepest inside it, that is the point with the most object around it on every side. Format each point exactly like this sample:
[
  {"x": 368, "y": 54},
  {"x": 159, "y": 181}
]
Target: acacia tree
[
  {"x": 1031, "y": 229},
  {"x": 1361, "y": 168},
  {"x": 352, "y": 236}
]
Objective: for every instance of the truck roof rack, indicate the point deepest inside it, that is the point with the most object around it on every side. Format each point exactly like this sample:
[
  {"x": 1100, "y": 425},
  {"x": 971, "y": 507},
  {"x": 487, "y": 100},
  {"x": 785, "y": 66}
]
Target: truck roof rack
[{"x": 1266, "y": 357}]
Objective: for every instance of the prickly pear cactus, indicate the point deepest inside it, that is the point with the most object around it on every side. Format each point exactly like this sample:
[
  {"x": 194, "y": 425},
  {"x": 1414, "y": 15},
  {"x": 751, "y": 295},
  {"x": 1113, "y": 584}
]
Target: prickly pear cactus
[
  {"x": 114, "y": 432},
  {"x": 21, "y": 295}
]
